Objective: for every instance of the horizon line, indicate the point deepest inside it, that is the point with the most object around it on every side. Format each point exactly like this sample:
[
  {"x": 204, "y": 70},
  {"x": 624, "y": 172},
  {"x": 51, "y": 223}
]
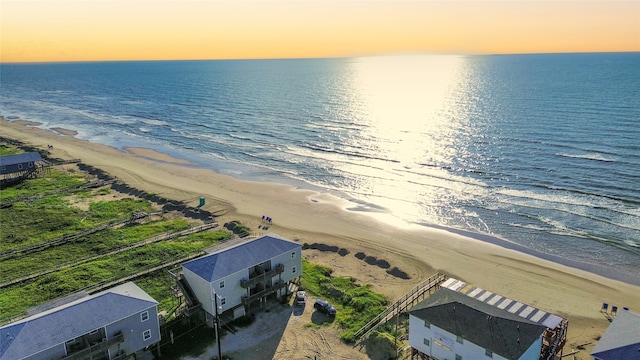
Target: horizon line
[{"x": 319, "y": 57}]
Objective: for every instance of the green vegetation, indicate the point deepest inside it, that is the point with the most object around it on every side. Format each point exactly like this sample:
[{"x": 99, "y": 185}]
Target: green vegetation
[
  {"x": 18, "y": 298},
  {"x": 109, "y": 210},
  {"x": 37, "y": 211},
  {"x": 55, "y": 180},
  {"x": 103, "y": 191},
  {"x": 9, "y": 150},
  {"x": 30, "y": 223},
  {"x": 237, "y": 228},
  {"x": 357, "y": 304},
  {"x": 158, "y": 285},
  {"x": 15, "y": 267}
]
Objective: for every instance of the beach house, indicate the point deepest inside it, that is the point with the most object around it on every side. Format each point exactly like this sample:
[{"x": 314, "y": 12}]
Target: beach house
[
  {"x": 17, "y": 166},
  {"x": 239, "y": 276},
  {"x": 463, "y": 322},
  {"x": 621, "y": 340},
  {"x": 113, "y": 324}
]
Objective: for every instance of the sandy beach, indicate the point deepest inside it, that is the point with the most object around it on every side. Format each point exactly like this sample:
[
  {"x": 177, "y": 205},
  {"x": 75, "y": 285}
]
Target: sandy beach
[{"x": 311, "y": 217}]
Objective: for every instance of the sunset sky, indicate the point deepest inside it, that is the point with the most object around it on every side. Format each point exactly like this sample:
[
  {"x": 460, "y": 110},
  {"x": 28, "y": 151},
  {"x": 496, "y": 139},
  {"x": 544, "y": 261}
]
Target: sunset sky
[{"x": 88, "y": 30}]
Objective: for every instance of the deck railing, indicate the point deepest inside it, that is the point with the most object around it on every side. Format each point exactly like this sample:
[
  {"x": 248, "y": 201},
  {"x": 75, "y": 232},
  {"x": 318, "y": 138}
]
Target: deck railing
[
  {"x": 101, "y": 346},
  {"x": 401, "y": 305},
  {"x": 279, "y": 269},
  {"x": 246, "y": 300}
]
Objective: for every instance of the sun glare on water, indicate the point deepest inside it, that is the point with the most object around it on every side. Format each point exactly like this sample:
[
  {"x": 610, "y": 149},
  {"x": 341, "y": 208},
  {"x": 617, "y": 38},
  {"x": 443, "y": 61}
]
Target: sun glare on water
[{"x": 406, "y": 109}]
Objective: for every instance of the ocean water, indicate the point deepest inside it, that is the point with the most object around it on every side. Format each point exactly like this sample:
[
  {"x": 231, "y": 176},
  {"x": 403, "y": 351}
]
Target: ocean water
[{"x": 539, "y": 150}]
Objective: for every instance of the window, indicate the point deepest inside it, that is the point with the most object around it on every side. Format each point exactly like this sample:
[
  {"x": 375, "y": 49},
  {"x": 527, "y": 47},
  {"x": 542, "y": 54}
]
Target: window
[
  {"x": 20, "y": 166},
  {"x": 489, "y": 353},
  {"x": 426, "y": 324},
  {"x": 458, "y": 357},
  {"x": 293, "y": 270},
  {"x": 221, "y": 284},
  {"x": 146, "y": 335},
  {"x": 427, "y": 342},
  {"x": 459, "y": 339},
  {"x": 144, "y": 316},
  {"x": 293, "y": 255},
  {"x": 223, "y": 301},
  {"x": 3, "y": 167},
  {"x": 30, "y": 164}
]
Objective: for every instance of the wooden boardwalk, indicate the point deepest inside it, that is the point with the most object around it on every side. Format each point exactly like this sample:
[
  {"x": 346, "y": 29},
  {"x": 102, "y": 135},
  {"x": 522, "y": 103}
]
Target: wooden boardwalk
[
  {"x": 411, "y": 298},
  {"x": 72, "y": 237},
  {"x": 161, "y": 237}
]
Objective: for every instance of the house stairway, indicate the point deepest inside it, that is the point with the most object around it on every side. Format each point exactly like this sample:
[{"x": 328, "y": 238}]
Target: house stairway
[{"x": 407, "y": 301}]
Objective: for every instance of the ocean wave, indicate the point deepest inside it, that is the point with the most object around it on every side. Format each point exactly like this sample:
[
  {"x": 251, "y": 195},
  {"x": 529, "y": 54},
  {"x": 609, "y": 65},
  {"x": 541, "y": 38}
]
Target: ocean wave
[
  {"x": 336, "y": 126},
  {"x": 527, "y": 226},
  {"x": 354, "y": 154},
  {"x": 590, "y": 156},
  {"x": 627, "y": 223},
  {"x": 155, "y": 122},
  {"x": 606, "y": 152},
  {"x": 549, "y": 197},
  {"x": 451, "y": 168},
  {"x": 57, "y": 92},
  {"x": 556, "y": 195},
  {"x": 132, "y": 102},
  {"x": 632, "y": 243},
  {"x": 239, "y": 137}
]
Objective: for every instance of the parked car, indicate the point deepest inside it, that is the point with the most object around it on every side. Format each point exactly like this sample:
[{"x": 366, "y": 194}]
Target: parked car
[
  {"x": 325, "y": 307},
  {"x": 301, "y": 298}
]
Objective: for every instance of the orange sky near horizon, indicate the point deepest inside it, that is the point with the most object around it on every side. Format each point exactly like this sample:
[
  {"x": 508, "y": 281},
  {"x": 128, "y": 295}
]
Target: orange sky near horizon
[{"x": 94, "y": 30}]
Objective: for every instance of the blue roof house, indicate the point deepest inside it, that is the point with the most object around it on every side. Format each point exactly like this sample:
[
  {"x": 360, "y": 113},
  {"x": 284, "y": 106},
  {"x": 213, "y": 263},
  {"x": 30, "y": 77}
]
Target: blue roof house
[
  {"x": 244, "y": 274},
  {"x": 113, "y": 324},
  {"x": 18, "y": 165},
  {"x": 621, "y": 341}
]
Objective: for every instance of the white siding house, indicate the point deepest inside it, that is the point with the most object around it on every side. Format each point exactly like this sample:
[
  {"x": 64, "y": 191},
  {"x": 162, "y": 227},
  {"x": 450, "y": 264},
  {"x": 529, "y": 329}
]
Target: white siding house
[
  {"x": 113, "y": 324},
  {"x": 244, "y": 274},
  {"x": 461, "y": 322}
]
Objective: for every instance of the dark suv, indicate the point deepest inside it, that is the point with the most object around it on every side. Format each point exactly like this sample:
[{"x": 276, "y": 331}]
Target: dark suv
[{"x": 324, "y": 307}]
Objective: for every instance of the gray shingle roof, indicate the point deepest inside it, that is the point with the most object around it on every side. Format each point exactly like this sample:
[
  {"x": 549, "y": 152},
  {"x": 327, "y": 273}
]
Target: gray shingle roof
[
  {"x": 228, "y": 261},
  {"x": 19, "y": 158},
  {"x": 487, "y": 326},
  {"x": 55, "y": 326},
  {"x": 621, "y": 341}
]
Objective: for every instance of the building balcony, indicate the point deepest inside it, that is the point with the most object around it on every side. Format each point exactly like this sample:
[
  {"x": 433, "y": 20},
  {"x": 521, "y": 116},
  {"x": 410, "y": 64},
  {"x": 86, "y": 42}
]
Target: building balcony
[
  {"x": 279, "y": 269},
  {"x": 95, "y": 348},
  {"x": 246, "y": 300}
]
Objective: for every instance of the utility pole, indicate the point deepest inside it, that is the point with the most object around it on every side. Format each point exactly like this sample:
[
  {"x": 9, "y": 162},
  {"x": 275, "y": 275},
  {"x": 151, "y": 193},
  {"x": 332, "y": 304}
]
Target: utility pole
[{"x": 217, "y": 325}]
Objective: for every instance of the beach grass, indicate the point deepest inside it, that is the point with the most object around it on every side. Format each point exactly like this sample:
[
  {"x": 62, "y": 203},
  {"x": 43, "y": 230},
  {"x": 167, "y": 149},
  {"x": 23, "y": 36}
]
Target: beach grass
[
  {"x": 38, "y": 210},
  {"x": 55, "y": 180},
  {"x": 357, "y": 304},
  {"x": 9, "y": 150},
  {"x": 92, "y": 245},
  {"x": 18, "y": 298}
]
